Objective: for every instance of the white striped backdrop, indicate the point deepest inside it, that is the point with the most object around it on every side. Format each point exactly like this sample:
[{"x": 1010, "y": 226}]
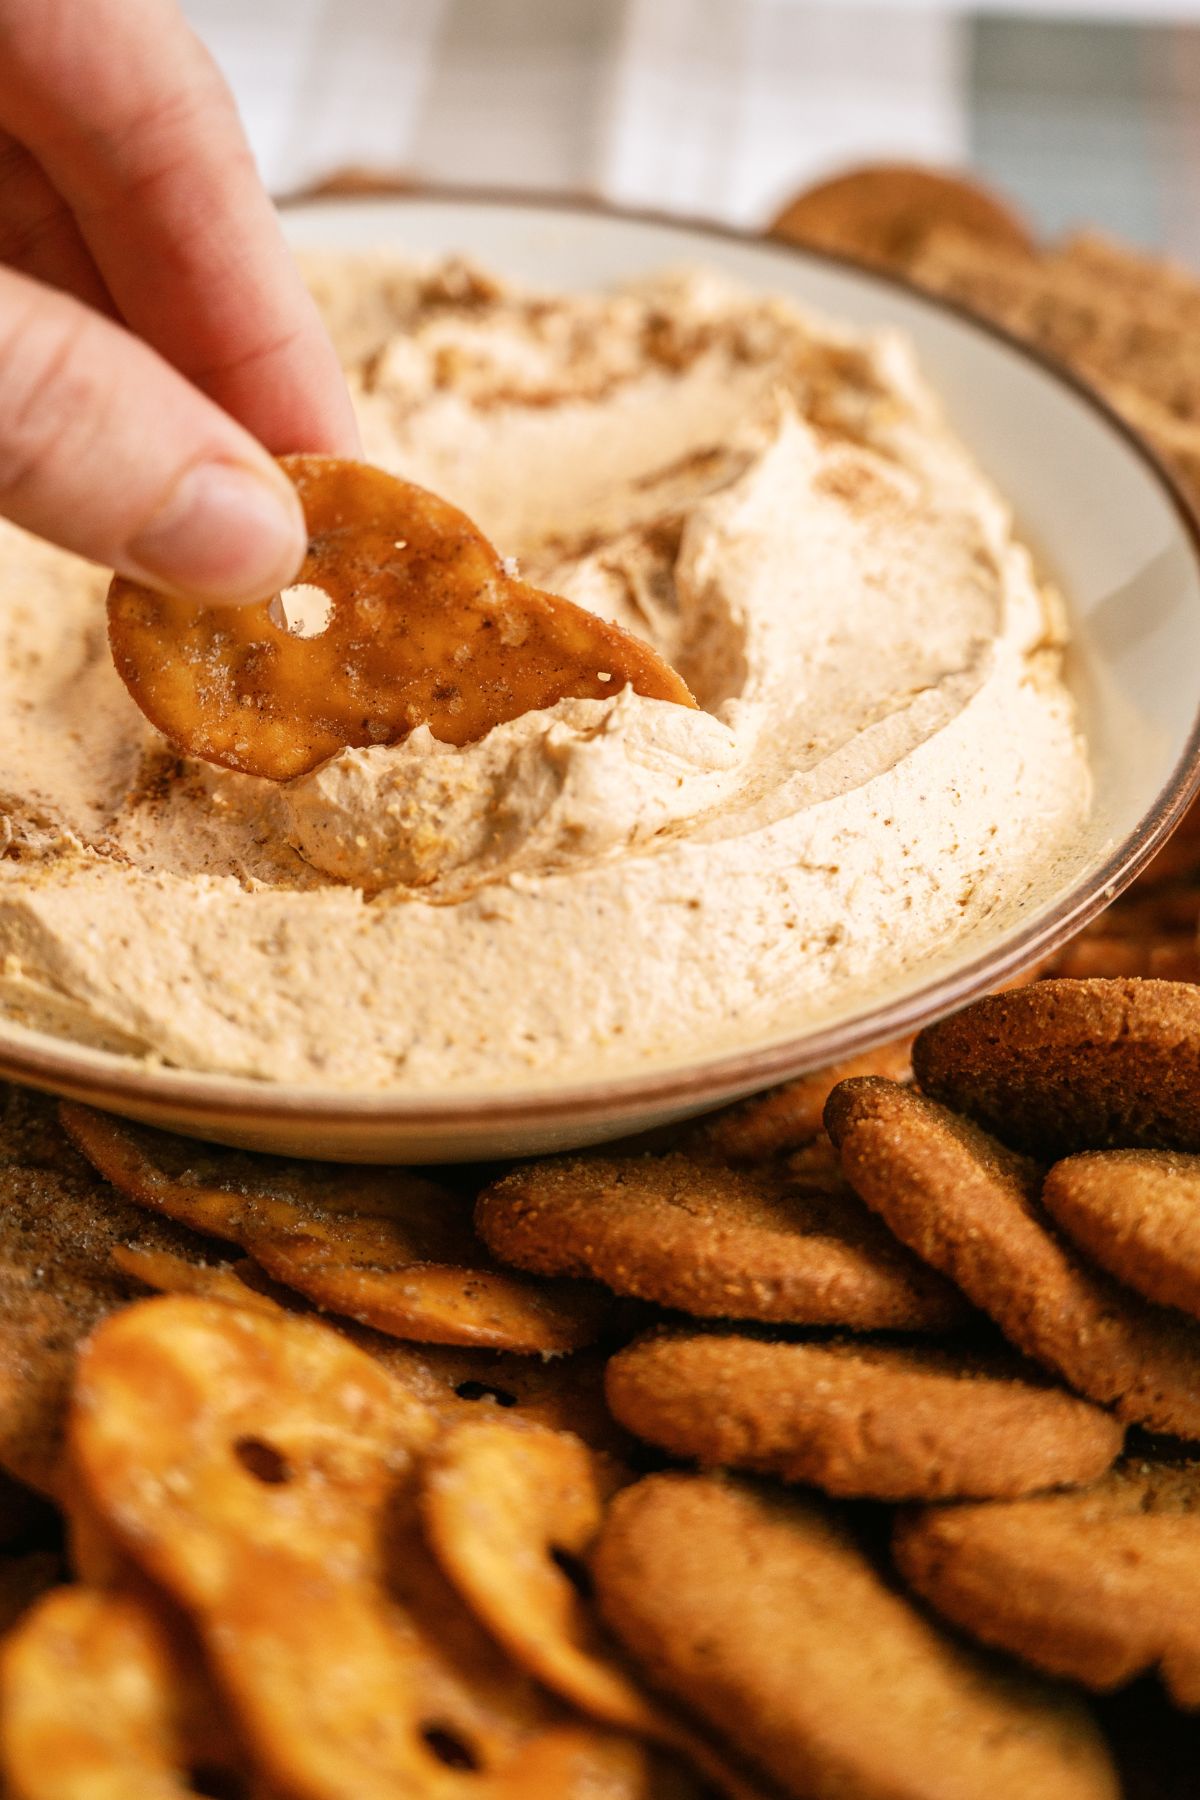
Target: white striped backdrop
[{"x": 1086, "y": 109}]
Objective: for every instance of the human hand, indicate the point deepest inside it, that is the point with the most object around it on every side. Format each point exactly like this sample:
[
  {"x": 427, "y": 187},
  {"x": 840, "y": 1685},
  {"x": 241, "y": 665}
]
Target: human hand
[{"x": 156, "y": 341}]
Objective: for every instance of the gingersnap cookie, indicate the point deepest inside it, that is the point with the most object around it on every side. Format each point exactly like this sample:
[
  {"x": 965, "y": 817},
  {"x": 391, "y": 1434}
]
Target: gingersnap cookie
[
  {"x": 789, "y": 1116},
  {"x": 686, "y": 1232},
  {"x": 882, "y": 213},
  {"x": 760, "y": 1612},
  {"x": 1098, "y": 1585},
  {"x": 970, "y": 1208},
  {"x": 1136, "y": 1213},
  {"x": 1073, "y": 1065},
  {"x": 874, "y": 1421},
  {"x": 1123, "y": 321}
]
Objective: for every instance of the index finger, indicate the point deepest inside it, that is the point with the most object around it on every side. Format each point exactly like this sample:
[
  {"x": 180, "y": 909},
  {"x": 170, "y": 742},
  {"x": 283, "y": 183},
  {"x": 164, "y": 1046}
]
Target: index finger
[{"x": 130, "y": 118}]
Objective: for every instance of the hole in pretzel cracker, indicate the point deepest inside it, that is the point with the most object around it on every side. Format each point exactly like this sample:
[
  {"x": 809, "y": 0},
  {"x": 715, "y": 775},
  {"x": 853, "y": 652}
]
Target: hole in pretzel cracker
[
  {"x": 263, "y": 1461},
  {"x": 483, "y": 1390},
  {"x": 449, "y": 1747},
  {"x": 425, "y": 627},
  {"x": 574, "y": 1568},
  {"x": 215, "y": 1784},
  {"x": 305, "y": 610}
]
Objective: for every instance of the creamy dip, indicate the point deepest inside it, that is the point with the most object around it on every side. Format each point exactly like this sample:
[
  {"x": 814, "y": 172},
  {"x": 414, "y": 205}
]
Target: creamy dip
[{"x": 885, "y": 760}]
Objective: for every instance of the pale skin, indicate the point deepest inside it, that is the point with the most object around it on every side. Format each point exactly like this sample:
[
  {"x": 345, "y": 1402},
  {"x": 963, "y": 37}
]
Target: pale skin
[{"x": 157, "y": 347}]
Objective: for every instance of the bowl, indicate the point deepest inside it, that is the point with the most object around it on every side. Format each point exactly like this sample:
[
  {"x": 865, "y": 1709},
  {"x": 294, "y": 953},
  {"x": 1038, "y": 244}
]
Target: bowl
[{"x": 1103, "y": 519}]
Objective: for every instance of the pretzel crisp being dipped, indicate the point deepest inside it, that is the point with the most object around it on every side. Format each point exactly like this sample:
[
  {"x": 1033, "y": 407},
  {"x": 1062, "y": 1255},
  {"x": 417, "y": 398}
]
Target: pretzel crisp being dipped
[{"x": 426, "y": 628}]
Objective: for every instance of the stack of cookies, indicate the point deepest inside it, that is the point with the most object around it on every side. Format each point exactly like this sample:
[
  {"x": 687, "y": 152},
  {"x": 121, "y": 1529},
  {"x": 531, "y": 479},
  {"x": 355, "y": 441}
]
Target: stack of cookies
[{"x": 1005, "y": 1259}]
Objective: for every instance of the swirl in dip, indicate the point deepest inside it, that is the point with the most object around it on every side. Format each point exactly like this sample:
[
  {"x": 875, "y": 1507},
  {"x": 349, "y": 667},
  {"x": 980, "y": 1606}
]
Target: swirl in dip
[{"x": 885, "y": 759}]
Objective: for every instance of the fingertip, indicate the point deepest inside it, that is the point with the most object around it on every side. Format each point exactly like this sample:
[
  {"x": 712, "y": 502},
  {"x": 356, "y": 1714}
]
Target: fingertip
[{"x": 227, "y": 533}]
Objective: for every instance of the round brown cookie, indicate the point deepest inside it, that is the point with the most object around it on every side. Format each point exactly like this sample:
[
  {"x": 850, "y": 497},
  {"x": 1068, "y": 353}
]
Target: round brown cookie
[
  {"x": 686, "y": 1232},
  {"x": 787, "y": 1117},
  {"x": 1137, "y": 1213},
  {"x": 761, "y": 1613},
  {"x": 884, "y": 1422},
  {"x": 1073, "y": 1065},
  {"x": 881, "y": 213},
  {"x": 970, "y": 1207},
  {"x": 1097, "y": 1585}
]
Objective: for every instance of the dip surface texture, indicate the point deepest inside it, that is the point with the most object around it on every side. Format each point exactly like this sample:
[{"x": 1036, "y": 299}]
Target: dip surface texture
[{"x": 885, "y": 759}]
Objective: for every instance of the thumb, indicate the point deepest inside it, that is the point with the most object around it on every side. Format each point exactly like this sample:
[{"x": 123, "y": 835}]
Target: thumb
[{"x": 106, "y": 450}]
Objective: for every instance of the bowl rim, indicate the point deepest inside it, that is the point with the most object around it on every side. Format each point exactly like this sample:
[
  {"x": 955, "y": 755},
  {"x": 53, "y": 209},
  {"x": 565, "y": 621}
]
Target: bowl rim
[{"x": 42, "y": 1059}]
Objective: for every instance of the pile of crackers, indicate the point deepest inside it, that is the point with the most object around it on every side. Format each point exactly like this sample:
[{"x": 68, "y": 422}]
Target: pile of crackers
[
  {"x": 842, "y": 1446},
  {"x": 839, "y": 1446}
]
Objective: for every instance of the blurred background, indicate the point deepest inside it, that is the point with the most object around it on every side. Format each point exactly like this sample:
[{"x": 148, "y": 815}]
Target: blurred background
[{"x": 1082, "y": 112}]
